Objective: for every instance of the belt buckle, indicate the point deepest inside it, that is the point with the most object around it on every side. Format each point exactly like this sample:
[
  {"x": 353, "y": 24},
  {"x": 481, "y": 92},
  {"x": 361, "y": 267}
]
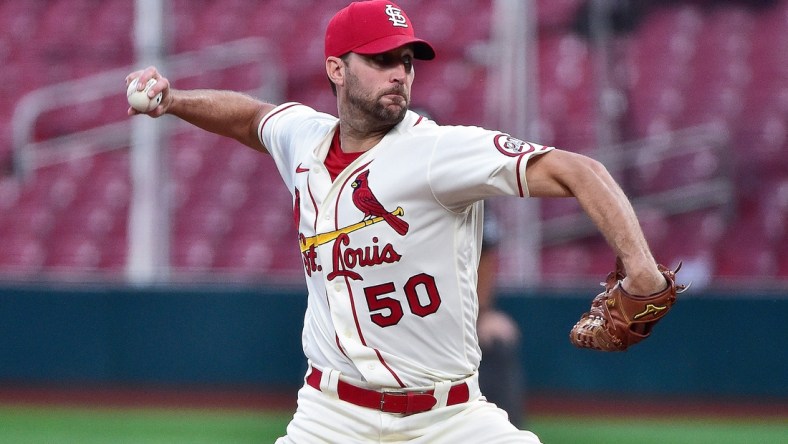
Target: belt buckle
[
  {"x": 410, "y": 398},
  {"x": 391, "y": 392}
]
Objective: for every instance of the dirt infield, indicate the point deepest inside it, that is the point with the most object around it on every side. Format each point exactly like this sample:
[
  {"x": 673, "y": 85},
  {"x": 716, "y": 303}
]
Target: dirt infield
[{"x": 255, "y": 398}]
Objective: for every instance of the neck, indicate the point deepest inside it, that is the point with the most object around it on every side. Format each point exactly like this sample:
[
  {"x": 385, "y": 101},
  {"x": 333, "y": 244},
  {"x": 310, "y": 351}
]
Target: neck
[
  {"x": 361, "y": 129},
  {"x": 354, "y": 139}
]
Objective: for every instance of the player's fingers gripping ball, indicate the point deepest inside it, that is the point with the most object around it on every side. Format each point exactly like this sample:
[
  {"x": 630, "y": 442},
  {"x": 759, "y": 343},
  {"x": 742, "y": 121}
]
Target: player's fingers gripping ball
[
  {"x": 617, "y": 319},
  {"x": 139, "y": 100}
]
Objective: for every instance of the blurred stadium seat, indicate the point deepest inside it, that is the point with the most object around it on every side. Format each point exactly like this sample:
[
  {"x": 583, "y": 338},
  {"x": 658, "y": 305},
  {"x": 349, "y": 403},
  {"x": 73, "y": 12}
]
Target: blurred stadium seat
[{"x": 687, "y": 63}]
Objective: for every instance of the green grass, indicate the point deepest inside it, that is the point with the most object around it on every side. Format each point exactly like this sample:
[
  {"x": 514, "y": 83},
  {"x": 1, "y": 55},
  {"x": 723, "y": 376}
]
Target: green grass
[
  {"x": 138, "y": 426},
  {"x": 585, "y": 430},
  {"x": 42, "y": 425}
]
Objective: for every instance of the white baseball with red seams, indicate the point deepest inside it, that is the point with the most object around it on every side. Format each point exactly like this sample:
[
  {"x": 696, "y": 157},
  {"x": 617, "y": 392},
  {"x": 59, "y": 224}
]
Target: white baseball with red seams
[
  {"x": 139, "y": 100},
  {"x": 384, "y": 308}
]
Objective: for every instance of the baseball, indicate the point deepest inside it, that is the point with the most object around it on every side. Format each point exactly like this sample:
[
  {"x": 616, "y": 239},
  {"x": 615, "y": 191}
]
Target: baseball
[{"x": 139, "y": 100}]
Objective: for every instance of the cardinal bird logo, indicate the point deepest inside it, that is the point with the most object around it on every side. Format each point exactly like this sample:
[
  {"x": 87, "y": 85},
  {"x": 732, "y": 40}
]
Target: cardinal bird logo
[{"x": 366, "y": 201}]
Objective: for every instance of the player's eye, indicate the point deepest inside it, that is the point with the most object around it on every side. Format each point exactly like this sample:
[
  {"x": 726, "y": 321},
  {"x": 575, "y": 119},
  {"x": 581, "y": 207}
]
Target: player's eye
[
  {"x": 408, "y": 62},
  {"x": 383, "y": 60},
  {"x": 389, "y": 60}
]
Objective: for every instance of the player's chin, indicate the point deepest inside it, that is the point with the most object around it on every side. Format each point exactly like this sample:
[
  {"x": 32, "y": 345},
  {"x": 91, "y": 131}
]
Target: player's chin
[
  {"x": 393, "y": 114},
  {"x": 394, "y": 100},
  {"x": 396, "y": 105}
]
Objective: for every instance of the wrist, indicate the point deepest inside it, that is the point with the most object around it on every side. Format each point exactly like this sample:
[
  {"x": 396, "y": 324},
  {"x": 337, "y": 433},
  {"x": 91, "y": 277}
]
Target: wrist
[{"x": 644, "y": 285}]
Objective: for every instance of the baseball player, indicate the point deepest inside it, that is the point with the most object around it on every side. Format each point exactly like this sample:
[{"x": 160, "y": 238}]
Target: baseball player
[{"x": 388, "y": 207}]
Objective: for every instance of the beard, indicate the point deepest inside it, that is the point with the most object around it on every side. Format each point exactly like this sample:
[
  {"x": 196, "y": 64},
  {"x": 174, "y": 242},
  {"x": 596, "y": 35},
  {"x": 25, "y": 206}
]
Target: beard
[{"x": 369, "y": 104}]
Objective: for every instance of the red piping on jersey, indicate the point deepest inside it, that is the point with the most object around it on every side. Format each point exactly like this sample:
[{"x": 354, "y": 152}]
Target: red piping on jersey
[
  {"x": 260, "y": 134},
  {"x": 520, "y": 176},
  {"x": 347, "y": 282},
  {"x": 314, "y": 203},
  {"x": 336, "y": 226},
  {"x": 382, "y": 361},
  {"x": 418, "y": 121},
  {"x": 336, "y": 336},
  {"x": 339, "y": 346},
  {"x": 353, "y": 309},
  {"x": 520, "y": 185}
]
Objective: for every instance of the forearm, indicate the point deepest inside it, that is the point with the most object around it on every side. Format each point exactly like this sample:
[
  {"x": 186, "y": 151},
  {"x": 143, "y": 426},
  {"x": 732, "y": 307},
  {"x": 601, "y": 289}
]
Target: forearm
[
  {"x": 609, "y": 209},
  {"x": 227, "y": 113},
  {"x": 563, "y": 174}
]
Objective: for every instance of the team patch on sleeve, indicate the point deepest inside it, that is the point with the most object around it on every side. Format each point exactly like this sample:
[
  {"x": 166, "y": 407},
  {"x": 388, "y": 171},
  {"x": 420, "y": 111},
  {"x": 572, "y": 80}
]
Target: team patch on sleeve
[{"x": 513, "y": 147}]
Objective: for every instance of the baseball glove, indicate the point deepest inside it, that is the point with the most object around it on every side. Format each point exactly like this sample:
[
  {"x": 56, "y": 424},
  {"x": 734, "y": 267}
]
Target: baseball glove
[{"x": 617, "y": 319}]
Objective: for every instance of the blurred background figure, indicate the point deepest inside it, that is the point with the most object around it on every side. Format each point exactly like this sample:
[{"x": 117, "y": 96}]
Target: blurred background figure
[{"x": 501, "y": 376}]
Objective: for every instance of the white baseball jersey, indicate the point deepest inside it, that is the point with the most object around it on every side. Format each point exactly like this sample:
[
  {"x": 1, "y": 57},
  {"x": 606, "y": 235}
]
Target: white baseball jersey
[{"x": 391, "y": 247}]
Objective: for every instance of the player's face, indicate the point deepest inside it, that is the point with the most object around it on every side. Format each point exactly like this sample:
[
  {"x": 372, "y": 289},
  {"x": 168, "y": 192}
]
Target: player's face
[{"x": 379, "y": 85}]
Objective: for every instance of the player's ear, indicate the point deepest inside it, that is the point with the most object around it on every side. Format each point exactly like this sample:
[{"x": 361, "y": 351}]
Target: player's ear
[{"x": 335, "y": 69}]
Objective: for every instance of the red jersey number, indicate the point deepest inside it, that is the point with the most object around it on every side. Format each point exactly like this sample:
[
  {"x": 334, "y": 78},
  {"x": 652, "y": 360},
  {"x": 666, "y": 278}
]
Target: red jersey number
[{"x": 421, "y": 293}]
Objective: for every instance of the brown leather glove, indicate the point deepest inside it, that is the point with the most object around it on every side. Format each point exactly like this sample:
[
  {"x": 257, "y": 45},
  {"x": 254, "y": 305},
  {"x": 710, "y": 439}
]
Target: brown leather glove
[{"x": 617, "y": 319}]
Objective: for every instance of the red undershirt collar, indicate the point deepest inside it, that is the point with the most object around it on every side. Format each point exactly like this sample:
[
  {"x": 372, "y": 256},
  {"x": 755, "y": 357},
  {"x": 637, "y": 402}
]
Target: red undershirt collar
[{"x": 336, "y": 159}]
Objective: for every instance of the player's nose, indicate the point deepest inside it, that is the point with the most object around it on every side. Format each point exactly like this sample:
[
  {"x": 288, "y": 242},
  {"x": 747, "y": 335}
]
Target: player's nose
[{"x": 399, "y": 72}]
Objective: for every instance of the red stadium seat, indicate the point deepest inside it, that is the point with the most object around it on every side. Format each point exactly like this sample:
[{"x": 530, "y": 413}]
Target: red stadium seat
[
  {"x": 75, "y": 252},
  {"x": 686, "y": 63},
  {"x": 22, "y": 255},
  {"x": 246, "y": 254}
]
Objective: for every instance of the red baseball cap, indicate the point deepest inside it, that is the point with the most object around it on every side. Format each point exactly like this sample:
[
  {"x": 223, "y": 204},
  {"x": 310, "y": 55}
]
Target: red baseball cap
[{"x": 373, "y": 27}]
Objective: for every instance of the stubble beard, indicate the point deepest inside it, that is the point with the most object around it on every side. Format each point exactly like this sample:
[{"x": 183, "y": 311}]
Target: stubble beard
[{"x": 373, "y": 107}]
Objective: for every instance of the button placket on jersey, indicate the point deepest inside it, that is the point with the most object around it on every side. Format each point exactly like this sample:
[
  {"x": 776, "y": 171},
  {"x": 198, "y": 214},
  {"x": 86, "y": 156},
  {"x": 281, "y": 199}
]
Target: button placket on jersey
[{"x": 338, "y": 290}]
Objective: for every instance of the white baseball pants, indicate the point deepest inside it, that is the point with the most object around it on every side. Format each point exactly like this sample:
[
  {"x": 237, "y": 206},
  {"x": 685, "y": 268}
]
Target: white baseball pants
[{"x": 322, "y": 418}]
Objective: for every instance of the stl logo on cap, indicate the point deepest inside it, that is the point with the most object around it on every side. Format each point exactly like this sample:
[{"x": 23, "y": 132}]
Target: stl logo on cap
[
  {"x": 373, "y": 27},
  {"x": 395, "y": 16}
]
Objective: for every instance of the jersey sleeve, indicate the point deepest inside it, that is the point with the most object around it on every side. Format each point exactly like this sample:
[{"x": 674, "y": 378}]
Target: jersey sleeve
[
  {"x": 290, "y": 128},
  {"x": 469, "y": 164}
]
